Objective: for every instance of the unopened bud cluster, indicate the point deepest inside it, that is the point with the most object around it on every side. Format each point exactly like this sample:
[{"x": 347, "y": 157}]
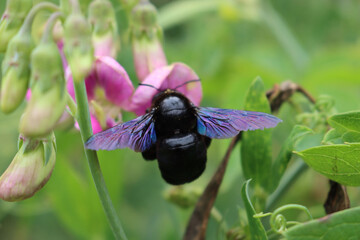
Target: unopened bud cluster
[{"x": 47, "y": 54}]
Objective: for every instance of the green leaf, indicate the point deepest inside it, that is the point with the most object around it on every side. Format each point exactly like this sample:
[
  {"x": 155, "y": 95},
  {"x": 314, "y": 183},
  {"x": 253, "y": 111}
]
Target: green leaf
[
  {"x": 344, "y": 122},
  {"x": 282, "y": 160},
  {"x": 340, "y": 162},
  {"x": 332, "y": 137},
  {"x": 257, "y": 230},
  {"x": 48, "y": 148},
  {"x": 341, "y": 225},
  {"x": 256, "y": 156},
  {"x": 351, "y": 136}
]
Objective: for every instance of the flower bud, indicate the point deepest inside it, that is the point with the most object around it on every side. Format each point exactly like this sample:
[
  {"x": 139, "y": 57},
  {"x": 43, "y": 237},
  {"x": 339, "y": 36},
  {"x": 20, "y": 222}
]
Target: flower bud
[
  {"x": 146, "y": 38},
  {"x": 12, "y": 19},
  {"x": 48, "y": 94},
  {"x": 182, "y": 196},
  {"x": 104, "y": 34},
  {"x": 108, "y": 89},
  {"x": 30, "y": 169},
  {"x": 78, "y": 47},
  {"x": 15, "y": 72}
]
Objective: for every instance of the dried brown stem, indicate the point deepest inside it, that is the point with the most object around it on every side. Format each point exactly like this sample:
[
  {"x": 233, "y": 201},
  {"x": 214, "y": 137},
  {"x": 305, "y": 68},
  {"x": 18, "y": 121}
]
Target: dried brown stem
[{"x": 197, "y": 224}]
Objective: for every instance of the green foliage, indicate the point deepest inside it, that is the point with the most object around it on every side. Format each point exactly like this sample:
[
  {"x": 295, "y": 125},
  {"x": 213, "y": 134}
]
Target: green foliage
[
  {"x": 346, "y": 127},
  {"x": 257, "y": 230},
  {"x": 227, "y": 53},
  {"x": 339, "y": 162},
  {"x": 282, "y": 160},
  {"x": 340, "y": 225},
  {"x": 256, "y": 145}
]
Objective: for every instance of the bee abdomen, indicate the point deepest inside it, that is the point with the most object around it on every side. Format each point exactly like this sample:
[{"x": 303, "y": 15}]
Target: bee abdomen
[{"x": 181, "y": 158}]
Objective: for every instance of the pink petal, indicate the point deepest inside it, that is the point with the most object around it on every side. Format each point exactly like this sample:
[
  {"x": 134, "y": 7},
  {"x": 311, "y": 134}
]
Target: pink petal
[
  {"x": 105, "y": 46},
  {"x": 60, "y": 45},
  {"x": 90, "y": 84},
  {"x": 113, "y": 78},
  {"x": 148, "y": 56},
  {"x": 28, "y": 95},
  {"x": 143, "y": 95},
  {"x": 94, "y": 124},
  {"x": 169, "y": 77},
  {"x": 180, "y": 74}
]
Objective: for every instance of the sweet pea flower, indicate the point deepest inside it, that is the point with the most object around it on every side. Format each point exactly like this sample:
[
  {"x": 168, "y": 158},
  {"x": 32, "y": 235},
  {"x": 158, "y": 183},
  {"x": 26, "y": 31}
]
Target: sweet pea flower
[
  {"x": 104, "y": 28},
  {"x": 30, "y": 169},
  {"x": 146, "y": 38},
  {"x": 109, "y": 90},
  {"x": 174, "y": 76}
]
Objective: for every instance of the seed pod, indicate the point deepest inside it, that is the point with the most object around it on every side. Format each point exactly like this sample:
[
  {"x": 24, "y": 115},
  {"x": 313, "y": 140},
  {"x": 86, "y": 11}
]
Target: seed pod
[
  {"x": 146, "y": 38},
  {"x": 78, "y": 46},
  {"x": 12, "y": 19},
  {"x": 30, "y": 169},
  {"x": 15, "y": 72},
  {"x": 48, "y": 95}
]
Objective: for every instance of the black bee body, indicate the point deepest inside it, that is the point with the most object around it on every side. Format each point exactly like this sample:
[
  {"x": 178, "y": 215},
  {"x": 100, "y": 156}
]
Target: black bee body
[
  {"x": 177, "y": 133},
  {"x": 179, "y": 149}
]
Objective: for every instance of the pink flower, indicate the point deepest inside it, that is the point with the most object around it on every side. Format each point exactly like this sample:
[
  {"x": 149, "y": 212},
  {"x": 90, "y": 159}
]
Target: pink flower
[
  {"x": 30, "y": 169},
  {"x": 174, "y": 76},
  {"x": 146, "y": 36},
  {"x": 109, "y": 89}
]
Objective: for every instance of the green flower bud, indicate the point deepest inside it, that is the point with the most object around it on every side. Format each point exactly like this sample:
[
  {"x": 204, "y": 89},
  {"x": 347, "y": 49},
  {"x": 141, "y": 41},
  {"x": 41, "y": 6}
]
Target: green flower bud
[
  {"x": 15, "y": 72},
  {"x": 12, "y": 19},
  {"x": 78, "y": 47},
  {"x": 146, "y": 36},
  {"x": 103, "y": 22},
  {"x": 182, "y": 196},
  {"x": 30, "y": 169},
  {"x": 48, "y": 94},
  {"x": 144, "y": 21}
]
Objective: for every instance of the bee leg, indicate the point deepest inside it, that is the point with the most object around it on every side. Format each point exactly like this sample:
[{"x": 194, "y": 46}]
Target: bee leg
[
  {"x": 207, "y": 141},
  {"x": 150, "y": 154}
]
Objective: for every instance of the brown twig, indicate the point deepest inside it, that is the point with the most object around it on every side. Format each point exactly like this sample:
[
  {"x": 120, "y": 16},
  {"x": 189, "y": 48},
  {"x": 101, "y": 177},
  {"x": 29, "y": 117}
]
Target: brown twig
[
  {"x": 282, "y": 93},
  {"x": 197, "y": 224}
]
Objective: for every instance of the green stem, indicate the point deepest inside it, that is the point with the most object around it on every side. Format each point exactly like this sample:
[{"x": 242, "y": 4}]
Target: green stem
[
  {"x": 278, "y": 222},
  {"x": 83, "y": 118},
  {"x": 177, "y": 12},
  {"x": 71, "y": 104},
  {"x": 26, "y": 27},
  {"x": 219, "y": 218},
  {"x": 286, "y": 182},
  {"x": 284, "y": 35},
  {"x": 75, "y": 6},
  {"x": 47, "y": 34}
]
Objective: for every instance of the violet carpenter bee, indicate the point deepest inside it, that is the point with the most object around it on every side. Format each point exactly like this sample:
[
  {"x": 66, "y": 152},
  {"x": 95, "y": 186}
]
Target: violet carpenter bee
[{"x": 177, "y": 133}]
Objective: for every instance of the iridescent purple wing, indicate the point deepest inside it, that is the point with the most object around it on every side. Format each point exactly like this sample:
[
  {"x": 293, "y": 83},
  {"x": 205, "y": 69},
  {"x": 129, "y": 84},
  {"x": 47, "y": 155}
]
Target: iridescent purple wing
[
  {"x": 137, "y": 134},
  {"x": 227, "y": 123}
]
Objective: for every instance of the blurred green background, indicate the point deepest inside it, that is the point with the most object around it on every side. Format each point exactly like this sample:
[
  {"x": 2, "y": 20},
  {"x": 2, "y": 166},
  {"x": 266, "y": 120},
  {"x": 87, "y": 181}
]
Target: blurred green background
[{"x": 314, "y": 43}]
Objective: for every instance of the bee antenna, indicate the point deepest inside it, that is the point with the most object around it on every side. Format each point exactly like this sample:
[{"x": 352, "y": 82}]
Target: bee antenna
[
  {"x": 148, "y": 85},
  {"x": 190, "y": 81}
]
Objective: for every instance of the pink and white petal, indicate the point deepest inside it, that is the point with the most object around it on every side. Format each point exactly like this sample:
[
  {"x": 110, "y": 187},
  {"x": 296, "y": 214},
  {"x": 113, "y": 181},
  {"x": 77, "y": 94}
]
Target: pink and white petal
[
  {"x": 180, "y": 74},
  {"x": 60, "y": 45},
  {"x": 96, "y": 127},
  {"x": 90, "y": 84},
  {"x": 69, "y": 82},
  {"x": 112, "y": 77},
  {"x": 148, "y": 56},
  {"x": 143, "y": 95},
  {"x": 28, "y": 94},
  {"x": 95, "y": 124},
  {"x": 105, "y": 46}
]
